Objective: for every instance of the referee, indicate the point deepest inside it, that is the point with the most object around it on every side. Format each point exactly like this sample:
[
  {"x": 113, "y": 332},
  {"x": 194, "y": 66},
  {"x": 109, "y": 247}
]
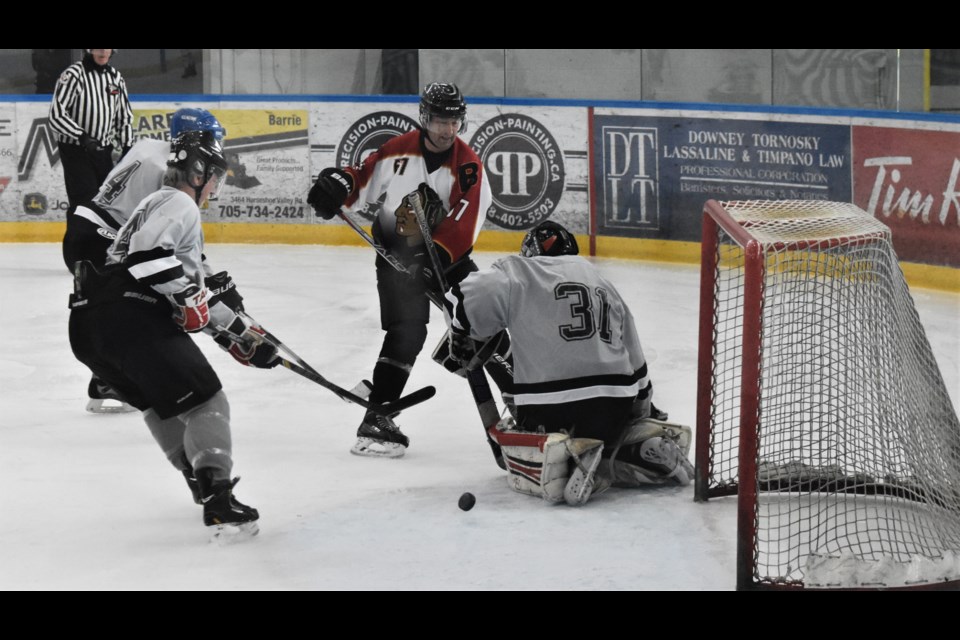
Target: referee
[{"x": 89, "y": 113}]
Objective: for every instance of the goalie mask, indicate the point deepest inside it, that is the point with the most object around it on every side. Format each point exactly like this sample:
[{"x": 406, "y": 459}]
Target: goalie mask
[
  {"x": 549, "y": 239},
  {"x": 442, "y": 100},
  {"x": 198, "y": 154}
]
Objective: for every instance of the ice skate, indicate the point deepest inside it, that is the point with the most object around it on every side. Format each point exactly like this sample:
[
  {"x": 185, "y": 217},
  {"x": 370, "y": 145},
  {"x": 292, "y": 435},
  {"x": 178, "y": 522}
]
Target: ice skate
[
  {"x": 104, "y": 399},
  {"x": 229, "y": 519},
  {"x": 379, "y": 436}
]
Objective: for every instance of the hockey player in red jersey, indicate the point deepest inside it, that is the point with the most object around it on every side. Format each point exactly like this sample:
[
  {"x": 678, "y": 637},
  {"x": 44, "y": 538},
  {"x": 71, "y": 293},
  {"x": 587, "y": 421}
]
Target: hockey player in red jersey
[{"x": 450, "y": 177}]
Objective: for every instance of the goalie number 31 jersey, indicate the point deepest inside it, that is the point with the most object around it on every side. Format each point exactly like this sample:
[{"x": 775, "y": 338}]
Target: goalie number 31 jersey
[{"x": 572, "y": 335}]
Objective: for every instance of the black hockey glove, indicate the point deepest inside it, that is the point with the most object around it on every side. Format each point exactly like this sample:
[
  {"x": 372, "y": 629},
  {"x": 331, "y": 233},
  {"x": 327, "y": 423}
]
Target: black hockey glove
[
  {"x": 88, "y": 143},
  {"x": 329, "y": 192},
  {"x": 462, "y": 347},
  {"x": 222, "y": 289},
  {"x": 421, "y": 270},
  {"x": 248, "y": 348}
]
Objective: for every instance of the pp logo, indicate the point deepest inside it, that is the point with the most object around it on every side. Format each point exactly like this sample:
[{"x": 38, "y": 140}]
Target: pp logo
[
  {"x": 524, "y": 165},
  {"x": 107, "y": 233},
  {"x": 366, "y": 135}
]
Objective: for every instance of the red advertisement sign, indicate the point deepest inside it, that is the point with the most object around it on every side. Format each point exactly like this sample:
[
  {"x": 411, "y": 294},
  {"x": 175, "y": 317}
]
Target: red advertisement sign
[{"x": 910, "y": 180}]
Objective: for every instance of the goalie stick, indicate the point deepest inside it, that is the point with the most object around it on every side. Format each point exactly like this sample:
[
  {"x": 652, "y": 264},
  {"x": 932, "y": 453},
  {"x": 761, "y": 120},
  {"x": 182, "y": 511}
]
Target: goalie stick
[
  {"x": 479, "y": 385},
  {"x": 299, "y": 366}
]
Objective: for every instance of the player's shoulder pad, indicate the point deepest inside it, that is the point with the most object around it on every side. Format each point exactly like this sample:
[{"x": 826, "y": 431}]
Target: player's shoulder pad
[{"x": 405, "y": 143}]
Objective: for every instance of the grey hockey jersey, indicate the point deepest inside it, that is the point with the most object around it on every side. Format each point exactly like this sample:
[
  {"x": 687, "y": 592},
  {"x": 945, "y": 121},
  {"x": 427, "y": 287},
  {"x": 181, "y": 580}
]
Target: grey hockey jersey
[
  {"x": 139, "y": 174},
  {"x": 572, "y": 335}
]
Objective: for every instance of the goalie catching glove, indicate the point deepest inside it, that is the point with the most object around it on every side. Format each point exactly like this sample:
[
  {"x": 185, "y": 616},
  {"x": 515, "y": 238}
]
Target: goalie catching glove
[
  {"x": 245, "y": 341},
  {"x": 329, "y": 192}
]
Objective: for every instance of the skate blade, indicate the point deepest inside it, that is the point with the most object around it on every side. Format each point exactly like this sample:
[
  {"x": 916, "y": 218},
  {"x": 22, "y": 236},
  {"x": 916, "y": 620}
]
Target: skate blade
[
  {"x": 377, "y": 449},
  {"x": 226, "y": 534},
  {"x": 98, "y": 406}
]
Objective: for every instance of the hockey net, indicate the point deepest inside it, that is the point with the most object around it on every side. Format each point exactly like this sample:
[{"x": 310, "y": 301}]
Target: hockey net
[{"x": 820, "y": 403}]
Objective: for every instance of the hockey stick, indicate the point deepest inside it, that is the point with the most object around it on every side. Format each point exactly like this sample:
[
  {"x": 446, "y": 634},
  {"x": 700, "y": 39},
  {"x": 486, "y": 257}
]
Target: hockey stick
[
  {"x": 299, "y": 366},
  {"x": 379, "y": 248},
  {"x": 479, "y": 385},
  {"x": 383, "y": 409}
]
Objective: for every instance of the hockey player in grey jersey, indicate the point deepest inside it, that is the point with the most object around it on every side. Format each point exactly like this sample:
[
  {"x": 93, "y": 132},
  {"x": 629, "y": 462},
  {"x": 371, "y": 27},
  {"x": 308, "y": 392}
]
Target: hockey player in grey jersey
[
  {"x": 581, "y": 385},
  {"x": 129, "y": 323},
  {"x": 92, "y": 225}
]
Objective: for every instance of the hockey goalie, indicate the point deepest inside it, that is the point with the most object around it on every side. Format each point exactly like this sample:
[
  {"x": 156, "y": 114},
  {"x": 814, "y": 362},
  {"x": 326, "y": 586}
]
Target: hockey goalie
[{"x": 584, "y": 414}]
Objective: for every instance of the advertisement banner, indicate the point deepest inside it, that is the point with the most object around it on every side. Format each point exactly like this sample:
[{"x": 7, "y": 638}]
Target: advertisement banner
[
  {"x": 536, "y": 161},
  {"x": 910, "y": 180},
  {"x": 39, "y": 193},
  {"x": 268, "y": 156},
  {"x": 266, "y": 150},
  {"x": 534, "y": 157},
  {"x": 8, "y": 161},
  {"x": 653, "y": 174}
]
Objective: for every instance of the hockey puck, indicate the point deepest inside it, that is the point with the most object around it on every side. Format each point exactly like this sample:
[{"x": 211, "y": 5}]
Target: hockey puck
[{"x": 467, "y": 501}]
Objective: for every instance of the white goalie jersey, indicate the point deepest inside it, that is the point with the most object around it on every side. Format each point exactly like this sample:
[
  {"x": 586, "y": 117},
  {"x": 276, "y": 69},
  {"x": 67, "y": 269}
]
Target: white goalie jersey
[{"x": 572, "y": 335}]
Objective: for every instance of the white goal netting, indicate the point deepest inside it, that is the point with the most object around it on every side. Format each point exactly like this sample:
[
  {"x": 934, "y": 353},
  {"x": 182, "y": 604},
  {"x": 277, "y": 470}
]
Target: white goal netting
[{"x": 858, "y": 444}]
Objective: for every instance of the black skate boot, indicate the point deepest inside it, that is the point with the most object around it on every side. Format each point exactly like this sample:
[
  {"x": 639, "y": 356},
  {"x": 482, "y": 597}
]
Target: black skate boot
[
  {"x": 100, "y": 392},
  {"x": 379, "y": 436},
  {"x": 191, "y": 479},
  {"x": 229, "y": 518},
  {"x": 656, "y": 414}
]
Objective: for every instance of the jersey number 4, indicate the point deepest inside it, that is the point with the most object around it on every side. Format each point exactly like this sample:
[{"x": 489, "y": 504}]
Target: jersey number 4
[
  {"x": 118, "y": 183},
  {"x": 581, "y": 310}
]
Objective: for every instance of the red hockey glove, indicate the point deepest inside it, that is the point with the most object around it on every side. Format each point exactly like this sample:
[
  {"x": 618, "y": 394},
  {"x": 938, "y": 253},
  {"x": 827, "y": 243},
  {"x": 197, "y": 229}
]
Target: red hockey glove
[
  {"x": 190, "y": 309},
  {"x": 249, "y": 348}
]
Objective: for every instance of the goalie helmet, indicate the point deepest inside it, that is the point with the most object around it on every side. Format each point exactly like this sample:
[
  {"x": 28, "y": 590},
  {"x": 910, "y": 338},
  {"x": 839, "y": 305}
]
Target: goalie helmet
[
  {"x": 442, "y": 100},
  {"x": 195, "y": 120},
  {"x": 549, "y": 239},
  {"x": 199, "y": 153}
]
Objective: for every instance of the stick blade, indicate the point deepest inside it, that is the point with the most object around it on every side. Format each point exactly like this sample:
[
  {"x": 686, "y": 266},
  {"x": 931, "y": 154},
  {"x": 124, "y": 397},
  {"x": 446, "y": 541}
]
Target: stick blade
[{"x": 407, "y": 401}]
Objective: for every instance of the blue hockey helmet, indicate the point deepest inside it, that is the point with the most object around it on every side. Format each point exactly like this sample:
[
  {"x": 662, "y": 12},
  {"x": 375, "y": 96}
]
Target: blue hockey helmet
[{"x": 195, "y": 120}]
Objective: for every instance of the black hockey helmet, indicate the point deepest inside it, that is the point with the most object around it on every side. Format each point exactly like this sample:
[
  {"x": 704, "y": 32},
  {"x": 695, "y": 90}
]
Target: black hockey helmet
[
  {"x": 549, "y": 239},
  {"x": 442, "y": 100},
  {"x": 199, "y": 153}
]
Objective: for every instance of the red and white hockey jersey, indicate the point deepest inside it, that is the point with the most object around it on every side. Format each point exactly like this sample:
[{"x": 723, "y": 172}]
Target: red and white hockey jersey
[{"x": 398, "y": 167}]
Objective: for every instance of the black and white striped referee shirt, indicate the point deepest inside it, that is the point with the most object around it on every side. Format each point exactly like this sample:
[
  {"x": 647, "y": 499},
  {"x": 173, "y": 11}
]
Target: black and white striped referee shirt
[{"x": 92, "y": 100}]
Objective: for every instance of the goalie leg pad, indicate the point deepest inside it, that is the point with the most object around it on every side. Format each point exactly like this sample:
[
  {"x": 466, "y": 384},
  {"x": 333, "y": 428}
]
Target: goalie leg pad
[{"x": 538, "y": 464}]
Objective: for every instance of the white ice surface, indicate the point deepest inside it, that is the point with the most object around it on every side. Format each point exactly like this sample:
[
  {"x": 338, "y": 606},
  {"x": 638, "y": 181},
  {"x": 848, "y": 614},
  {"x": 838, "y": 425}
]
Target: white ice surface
[{"x": 89, "y": 501}]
